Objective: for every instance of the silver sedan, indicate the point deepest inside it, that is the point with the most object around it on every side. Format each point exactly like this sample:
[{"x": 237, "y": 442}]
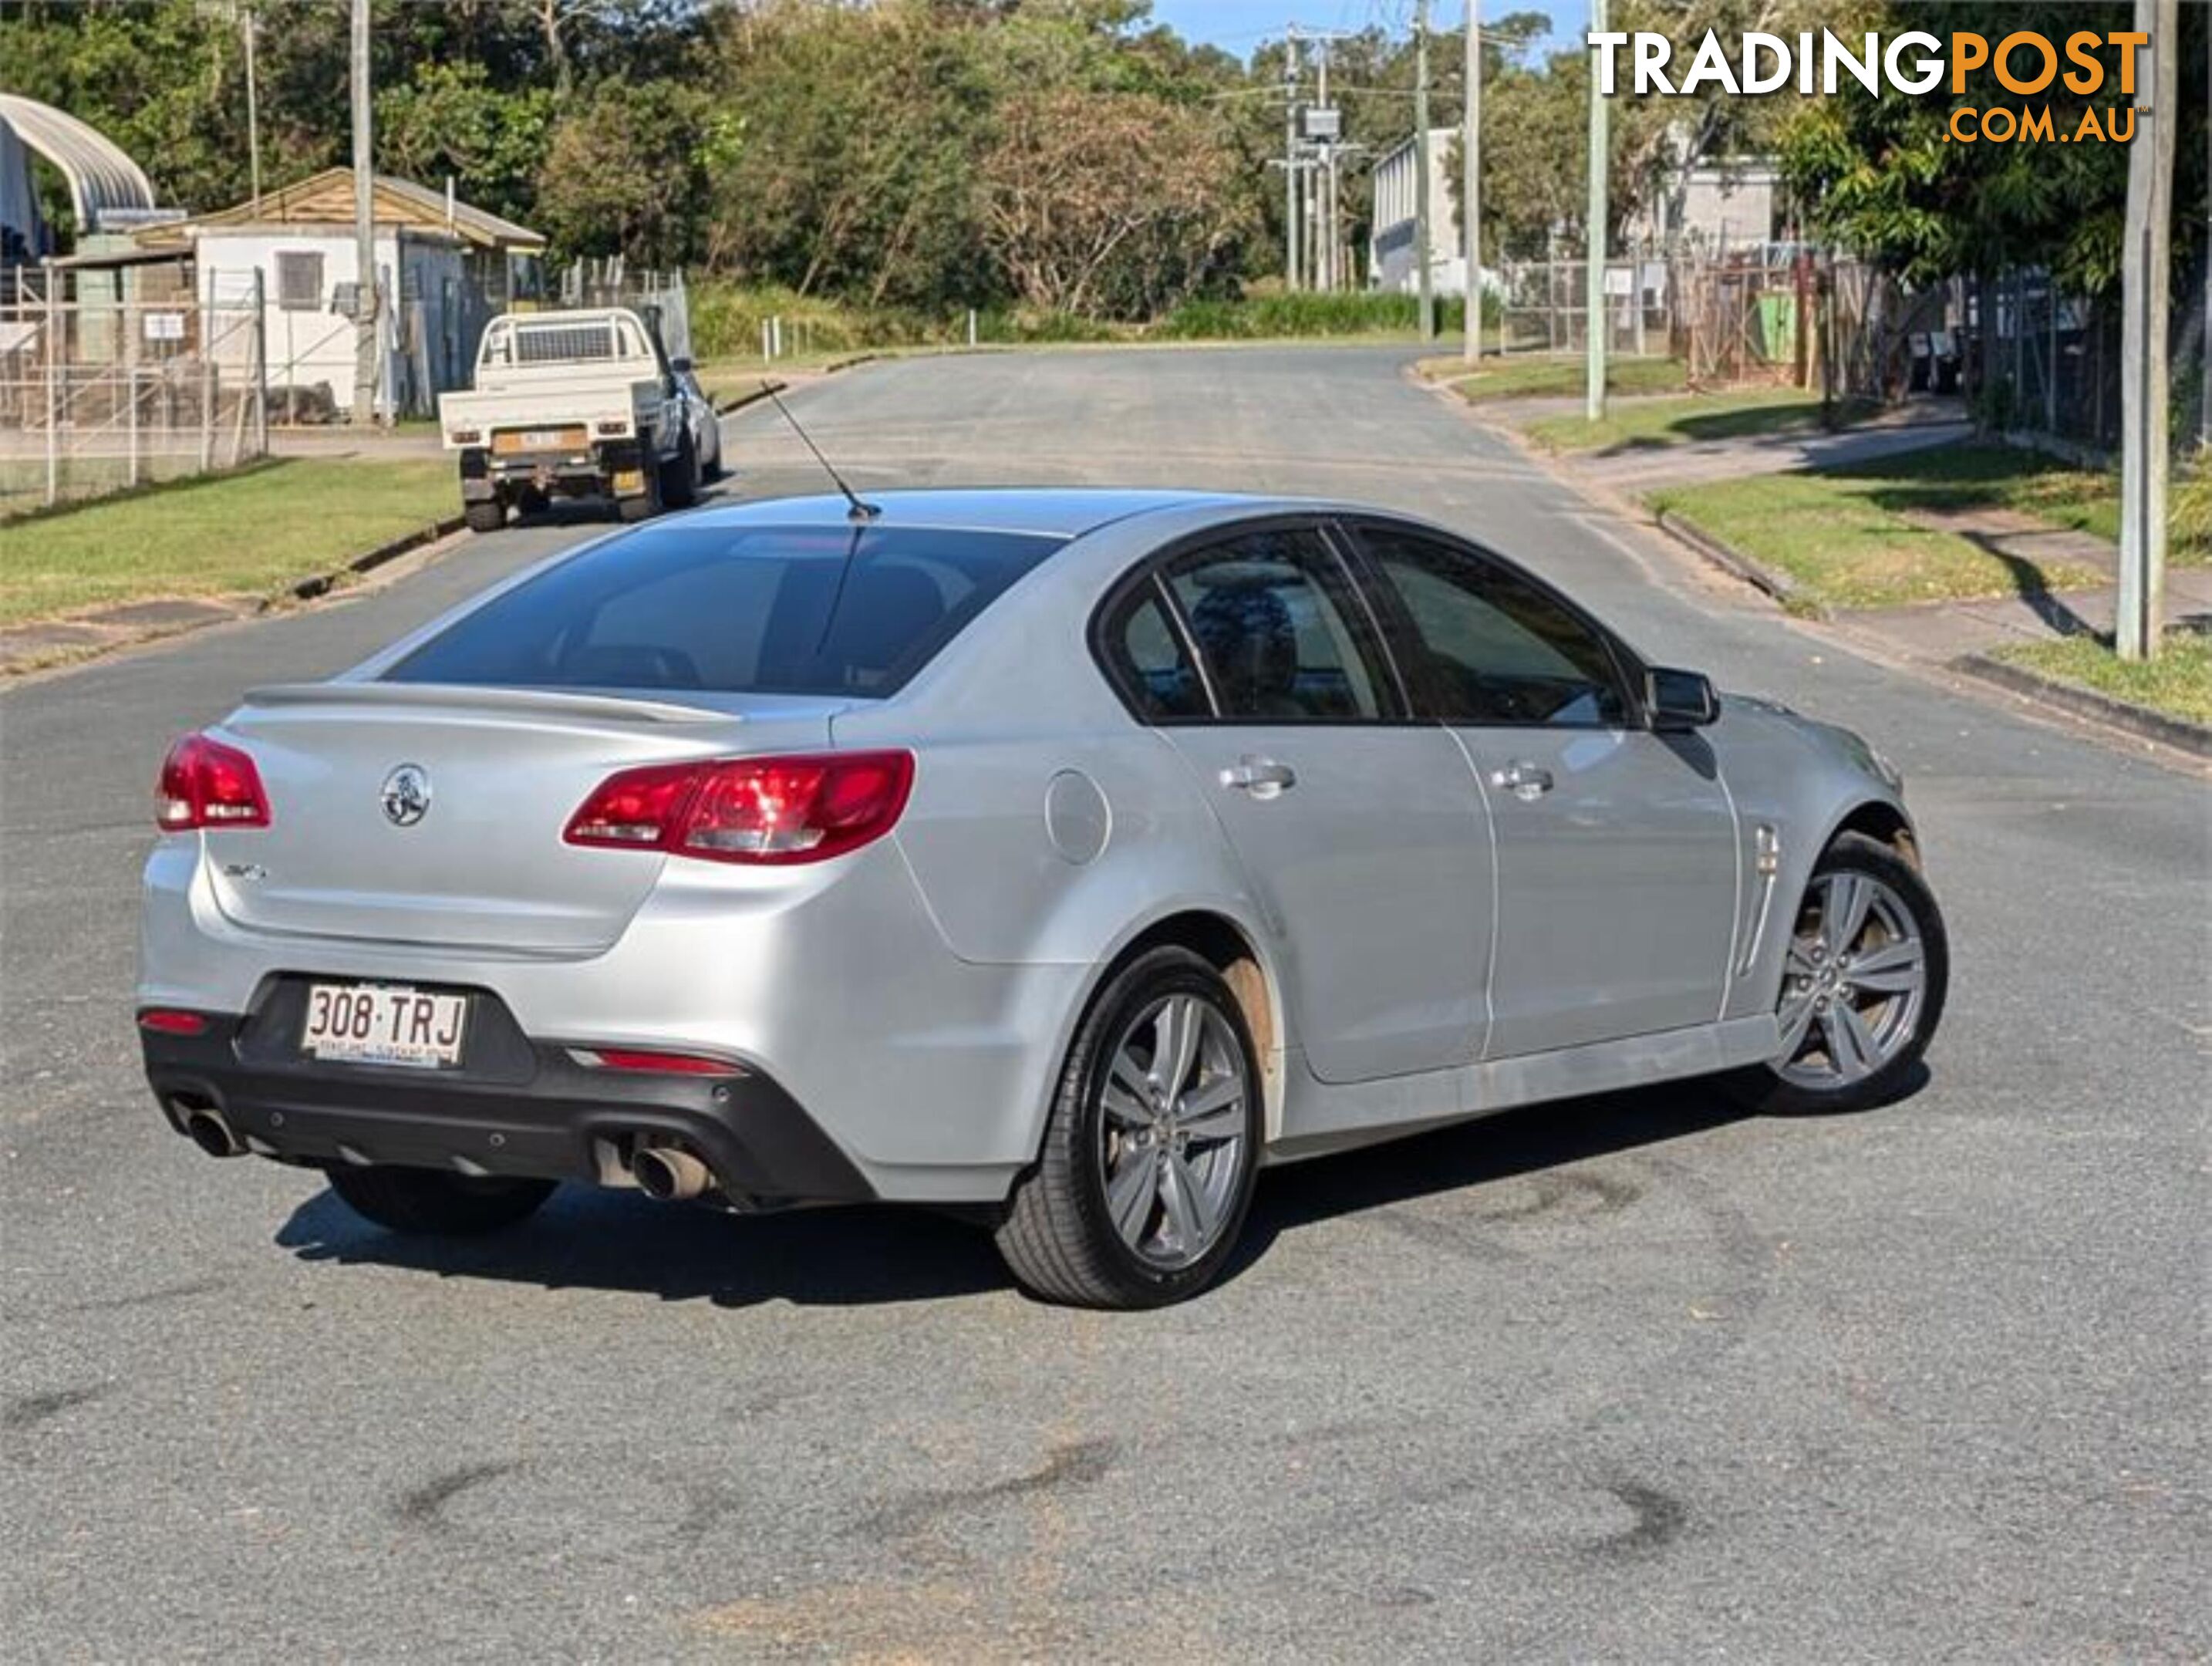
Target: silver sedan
[{"x": 1061, "y": 857}]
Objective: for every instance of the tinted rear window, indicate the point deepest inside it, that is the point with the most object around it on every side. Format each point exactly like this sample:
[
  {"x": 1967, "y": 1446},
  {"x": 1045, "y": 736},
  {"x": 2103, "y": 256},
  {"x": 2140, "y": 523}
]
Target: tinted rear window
[{"x": 751, "y": 611}]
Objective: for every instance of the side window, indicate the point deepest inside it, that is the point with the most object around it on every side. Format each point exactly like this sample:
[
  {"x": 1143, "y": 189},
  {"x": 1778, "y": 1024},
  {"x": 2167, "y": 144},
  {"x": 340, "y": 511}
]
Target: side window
[
  {"x": 1281, "y": 631},
  {"x": 1148, "y": 660},
  {"x": 1492, "y": 647}
]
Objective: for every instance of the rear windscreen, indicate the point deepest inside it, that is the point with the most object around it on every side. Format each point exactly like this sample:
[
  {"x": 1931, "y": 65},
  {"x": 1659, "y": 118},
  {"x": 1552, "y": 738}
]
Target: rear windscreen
[{"x": 753, "y": 610}]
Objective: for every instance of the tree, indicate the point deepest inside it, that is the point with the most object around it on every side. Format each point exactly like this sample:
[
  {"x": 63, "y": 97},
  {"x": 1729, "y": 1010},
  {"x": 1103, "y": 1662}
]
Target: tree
[
  {"x": 1883, "y": 177},
  {"x": 448, "y": 119},
  {"x": 1115, "y": 205},
  {"x": 627, "y": 171}
]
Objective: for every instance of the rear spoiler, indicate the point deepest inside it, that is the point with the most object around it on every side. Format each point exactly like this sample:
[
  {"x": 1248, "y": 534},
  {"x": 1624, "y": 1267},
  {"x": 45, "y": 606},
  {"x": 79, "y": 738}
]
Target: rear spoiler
[{"x": 541, "y": 702}]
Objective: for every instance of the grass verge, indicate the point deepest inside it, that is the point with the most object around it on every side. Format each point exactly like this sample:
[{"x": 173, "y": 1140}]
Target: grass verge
[
  {"x": 2179, "y": 683},
  {"x": 1546, "y": 377},
  {"x": 251, "y": 532},
  {"x": 1847, "y": 540},
  {"x": 1740, "y": 413}
]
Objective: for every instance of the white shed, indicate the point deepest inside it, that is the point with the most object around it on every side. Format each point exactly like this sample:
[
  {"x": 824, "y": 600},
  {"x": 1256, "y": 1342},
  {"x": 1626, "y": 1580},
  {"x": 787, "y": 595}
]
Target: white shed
[{"x": 443, "y": 270}]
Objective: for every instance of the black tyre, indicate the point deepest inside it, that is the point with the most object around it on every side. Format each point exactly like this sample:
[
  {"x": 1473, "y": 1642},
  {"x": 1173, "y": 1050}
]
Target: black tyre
[
  {"x": 1863, "y": 983},
  {"x": 483, "y": 517},
  {"x": 1151, "y": 1147},
  {"x": 716, "y": 469},
  {"x": 430, "y": 1202},
  {"x": 680, "y": 477}
]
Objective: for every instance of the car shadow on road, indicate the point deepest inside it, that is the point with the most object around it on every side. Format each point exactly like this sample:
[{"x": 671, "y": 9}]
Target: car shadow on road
[{"x": 860, "y": 1256}]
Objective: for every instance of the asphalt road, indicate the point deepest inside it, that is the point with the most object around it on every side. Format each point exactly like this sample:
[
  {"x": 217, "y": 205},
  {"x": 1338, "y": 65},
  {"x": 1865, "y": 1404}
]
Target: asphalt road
[{"x": 1630, "y": 1379}]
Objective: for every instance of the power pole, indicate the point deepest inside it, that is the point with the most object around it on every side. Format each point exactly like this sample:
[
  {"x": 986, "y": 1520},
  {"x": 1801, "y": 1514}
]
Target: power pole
[
  {"x": 1470, "y": 195},
  {"x": 364, "y": 230},
  {"x": 2146, "y": 298},
  {"x": 1325, "y": 181},
  {"x": 1291, "y": 157},
  {"x": 1421, "y": 245},
  {"x": 249, "y": 24},
  {"x": 1593, "y": 319}
]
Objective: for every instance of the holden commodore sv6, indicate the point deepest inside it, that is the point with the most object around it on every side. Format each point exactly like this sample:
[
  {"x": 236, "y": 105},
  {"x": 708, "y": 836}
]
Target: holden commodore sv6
[{"x": 1060, "y": 857}]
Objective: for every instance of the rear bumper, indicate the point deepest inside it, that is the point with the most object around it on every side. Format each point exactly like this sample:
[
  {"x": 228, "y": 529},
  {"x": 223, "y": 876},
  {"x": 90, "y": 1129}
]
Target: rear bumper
[
  {"x": 929, "y": 1074},
  {"x": 521, "y": 1109}
]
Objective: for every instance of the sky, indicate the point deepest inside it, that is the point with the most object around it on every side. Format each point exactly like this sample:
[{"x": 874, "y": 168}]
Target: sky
[{"x": 1239, "y": 26}]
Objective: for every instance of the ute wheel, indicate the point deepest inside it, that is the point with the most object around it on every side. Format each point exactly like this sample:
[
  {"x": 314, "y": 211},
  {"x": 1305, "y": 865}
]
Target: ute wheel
[
  {"x": 485, "y": 517},
  {"x": 1863, "y": 983},
  {"x": 430, "y": 1202},
  {"x": 1151, "y": 1147},
  {"x": 680, "y": 477}
]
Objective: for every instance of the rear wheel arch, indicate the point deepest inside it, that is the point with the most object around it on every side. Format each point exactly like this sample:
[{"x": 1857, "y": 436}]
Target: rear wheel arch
[{"x": 1230, "y": 949}]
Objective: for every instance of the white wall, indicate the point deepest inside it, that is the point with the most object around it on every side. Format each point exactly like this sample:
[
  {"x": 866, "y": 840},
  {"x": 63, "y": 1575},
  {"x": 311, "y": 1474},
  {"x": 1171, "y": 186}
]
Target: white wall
[
  {"x": 1390, "y": 260},
  {"x": 308, "y": 348}
]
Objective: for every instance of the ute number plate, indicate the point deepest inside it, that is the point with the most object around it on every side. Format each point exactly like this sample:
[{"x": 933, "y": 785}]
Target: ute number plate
[{"x": 380, "y": 1024}]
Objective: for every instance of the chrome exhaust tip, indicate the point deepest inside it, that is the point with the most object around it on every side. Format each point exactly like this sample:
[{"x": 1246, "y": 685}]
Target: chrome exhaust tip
[
  {"x": 208, "y": 1130},
  {"x": 669, "y": 1174}
]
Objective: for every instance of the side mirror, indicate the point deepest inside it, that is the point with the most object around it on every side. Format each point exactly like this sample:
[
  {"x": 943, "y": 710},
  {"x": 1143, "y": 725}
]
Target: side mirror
[
  {"x": 1678, "y": 700},
  {"x": 681, "y": 366}
]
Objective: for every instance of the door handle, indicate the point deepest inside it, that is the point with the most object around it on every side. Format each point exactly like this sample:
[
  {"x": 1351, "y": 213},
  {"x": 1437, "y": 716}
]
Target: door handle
[
  {"x": 1526, "y": 781},
  {"x": 1262, "y": 777}
]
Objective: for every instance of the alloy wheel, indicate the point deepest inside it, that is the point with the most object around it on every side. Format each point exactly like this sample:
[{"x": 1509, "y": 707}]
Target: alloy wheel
[
  {"x": 1854, "y": 982},
  {"x": 1171, "y": 1141}
]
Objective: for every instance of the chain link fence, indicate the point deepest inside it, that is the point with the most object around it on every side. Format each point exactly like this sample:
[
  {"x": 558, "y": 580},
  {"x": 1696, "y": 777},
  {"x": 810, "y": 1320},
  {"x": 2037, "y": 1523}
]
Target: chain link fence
[
  {"x": 98, "y": 394},
  {"x": 1543, "y": 305}
]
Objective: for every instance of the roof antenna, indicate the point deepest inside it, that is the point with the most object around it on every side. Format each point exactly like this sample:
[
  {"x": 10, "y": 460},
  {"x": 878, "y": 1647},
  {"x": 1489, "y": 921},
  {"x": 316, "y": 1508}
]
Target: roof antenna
[{"x": 859, "y": 511}]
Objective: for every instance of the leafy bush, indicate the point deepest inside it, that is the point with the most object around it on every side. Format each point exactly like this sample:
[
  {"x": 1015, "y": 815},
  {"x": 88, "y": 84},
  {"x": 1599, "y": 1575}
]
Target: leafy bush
[
  {"x": 2189, "y": 509},
  {"x": 1260, "y": 315}
]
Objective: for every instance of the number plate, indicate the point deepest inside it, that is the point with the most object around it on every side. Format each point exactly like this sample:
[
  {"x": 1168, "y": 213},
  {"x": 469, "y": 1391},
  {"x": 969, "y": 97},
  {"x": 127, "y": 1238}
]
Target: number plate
[
  {"x": 538, "y": 439},
  {"x": 379, "y": 1024}
]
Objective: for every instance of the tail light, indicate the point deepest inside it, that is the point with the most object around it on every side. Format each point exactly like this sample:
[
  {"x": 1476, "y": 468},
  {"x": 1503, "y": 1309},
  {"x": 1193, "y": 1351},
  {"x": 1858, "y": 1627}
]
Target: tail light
[
  {"x": 205, "y": 783},
  {"x": 749, "y": 809}
]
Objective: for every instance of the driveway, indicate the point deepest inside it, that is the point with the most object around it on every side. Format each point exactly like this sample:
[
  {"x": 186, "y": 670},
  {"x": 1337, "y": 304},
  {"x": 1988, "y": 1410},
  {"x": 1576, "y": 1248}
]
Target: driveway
[{"x": 1633, "y": 1378}]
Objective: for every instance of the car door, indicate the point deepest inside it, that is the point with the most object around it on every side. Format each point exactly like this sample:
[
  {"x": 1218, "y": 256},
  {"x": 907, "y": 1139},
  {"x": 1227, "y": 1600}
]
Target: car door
[
  {"x": 1359, "y": 830},
  {"x": 1616, "y": 847}
]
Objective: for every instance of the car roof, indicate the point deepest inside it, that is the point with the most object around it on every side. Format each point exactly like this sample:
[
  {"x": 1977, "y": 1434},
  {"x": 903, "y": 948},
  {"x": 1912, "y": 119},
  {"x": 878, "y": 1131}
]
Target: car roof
[{"x": 1052, "y": 510}]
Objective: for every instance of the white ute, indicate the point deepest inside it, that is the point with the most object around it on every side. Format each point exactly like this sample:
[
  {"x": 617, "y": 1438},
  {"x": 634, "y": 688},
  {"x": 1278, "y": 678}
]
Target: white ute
[{"x": 570, "y": 403}]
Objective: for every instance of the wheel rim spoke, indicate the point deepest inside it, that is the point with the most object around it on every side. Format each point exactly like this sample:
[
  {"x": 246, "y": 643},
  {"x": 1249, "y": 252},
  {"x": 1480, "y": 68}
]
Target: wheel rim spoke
[
  {"x": 1188, "y": 1205},
  {"x": 1129, "y": 1075},
  {"x": 1126, "y": 1111},
  {"x": 1215, "y": 1111},
  {"x": 1847, "y": 1042},
  {"x": 1796, "y": 1018},
  {"x": 1130, "y": 1194},
  {"x": 1894, "y": 969},
  {"x": 1175, "y": 1034},
  {"x": 1844, "y": 913}
]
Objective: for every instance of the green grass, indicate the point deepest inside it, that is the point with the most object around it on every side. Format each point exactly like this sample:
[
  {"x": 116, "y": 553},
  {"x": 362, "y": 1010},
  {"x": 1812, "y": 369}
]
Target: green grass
[
  {"x": 249, "y": 532},
  {"x": 1547, "y": 377},
  {"x": 1986, "y": 474},
  {"x": 1741, "y": 413},
  {"x": 2178, "y": 682},
  {"x": 1847, "y": 541}
]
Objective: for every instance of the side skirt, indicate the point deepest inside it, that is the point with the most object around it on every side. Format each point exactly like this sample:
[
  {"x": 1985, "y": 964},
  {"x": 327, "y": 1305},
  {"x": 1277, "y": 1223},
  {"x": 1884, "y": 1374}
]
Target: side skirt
[{"x": 1319, "y": 1117}]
